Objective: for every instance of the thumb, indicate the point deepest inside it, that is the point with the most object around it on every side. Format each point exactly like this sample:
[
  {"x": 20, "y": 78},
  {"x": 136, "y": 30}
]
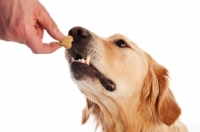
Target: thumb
[{"x": 48, "y": 24}]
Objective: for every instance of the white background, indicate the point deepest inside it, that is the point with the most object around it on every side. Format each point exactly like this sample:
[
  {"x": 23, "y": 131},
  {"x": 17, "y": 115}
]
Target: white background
[{"x": 36, "y": 92}]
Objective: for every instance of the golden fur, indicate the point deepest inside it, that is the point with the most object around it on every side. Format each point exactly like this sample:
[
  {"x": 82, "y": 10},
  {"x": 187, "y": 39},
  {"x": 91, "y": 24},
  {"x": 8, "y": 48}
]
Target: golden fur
[{"x": 142, "y": 101}]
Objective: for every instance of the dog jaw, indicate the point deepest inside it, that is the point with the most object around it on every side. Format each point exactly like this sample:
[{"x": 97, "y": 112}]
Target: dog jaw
[{"x": 81, "y": 68}]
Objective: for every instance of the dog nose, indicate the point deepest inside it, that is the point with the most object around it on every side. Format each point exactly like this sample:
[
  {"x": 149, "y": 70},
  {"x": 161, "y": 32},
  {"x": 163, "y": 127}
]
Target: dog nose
[{"x": 79, "y": 33}]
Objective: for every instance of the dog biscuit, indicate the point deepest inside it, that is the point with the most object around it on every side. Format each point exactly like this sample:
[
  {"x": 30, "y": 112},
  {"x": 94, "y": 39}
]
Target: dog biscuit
[{"x": 66, "y": 42}]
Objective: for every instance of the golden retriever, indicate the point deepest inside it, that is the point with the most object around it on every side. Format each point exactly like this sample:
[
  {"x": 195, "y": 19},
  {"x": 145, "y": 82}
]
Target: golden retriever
[{"x": 126, "y": 90}]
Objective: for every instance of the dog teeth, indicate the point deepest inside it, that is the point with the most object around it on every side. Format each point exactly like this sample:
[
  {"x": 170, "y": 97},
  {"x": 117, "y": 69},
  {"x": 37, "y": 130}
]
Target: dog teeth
[
  {"x": 72, "y": 59},
  {"x": 87, "y": 61}
]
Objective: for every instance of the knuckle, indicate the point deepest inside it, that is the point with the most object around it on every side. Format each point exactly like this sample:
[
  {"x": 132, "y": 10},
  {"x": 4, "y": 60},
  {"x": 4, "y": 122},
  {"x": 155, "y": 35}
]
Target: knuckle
[
  {"x": 54, "y": 28},
  {"x": 36, "y": 50},
  {"x": 53, "y": 25}
]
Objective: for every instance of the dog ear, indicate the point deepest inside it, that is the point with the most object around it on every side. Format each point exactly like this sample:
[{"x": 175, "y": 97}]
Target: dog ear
[
  {"x": 90, "y": 108},
  {"x": 167, "y": 107},
  {"x": 157, "y": 95}
]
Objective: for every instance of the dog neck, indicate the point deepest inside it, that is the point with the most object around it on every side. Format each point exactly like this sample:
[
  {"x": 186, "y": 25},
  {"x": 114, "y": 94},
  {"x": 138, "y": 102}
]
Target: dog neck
[{"x": 113, "y": 118}]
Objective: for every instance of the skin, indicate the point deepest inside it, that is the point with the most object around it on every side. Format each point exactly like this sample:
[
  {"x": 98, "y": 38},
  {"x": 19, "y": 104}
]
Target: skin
[{"x": 24, "y": 21}]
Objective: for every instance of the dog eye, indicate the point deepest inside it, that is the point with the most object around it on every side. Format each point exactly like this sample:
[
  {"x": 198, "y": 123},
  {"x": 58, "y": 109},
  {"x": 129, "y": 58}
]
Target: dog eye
[{"x": 121, "y": 43}]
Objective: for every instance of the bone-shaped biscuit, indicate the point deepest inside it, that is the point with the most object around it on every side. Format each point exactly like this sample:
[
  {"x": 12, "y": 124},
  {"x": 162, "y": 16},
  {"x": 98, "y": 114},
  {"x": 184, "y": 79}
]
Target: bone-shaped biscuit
[{"x": 66, "y": 42}]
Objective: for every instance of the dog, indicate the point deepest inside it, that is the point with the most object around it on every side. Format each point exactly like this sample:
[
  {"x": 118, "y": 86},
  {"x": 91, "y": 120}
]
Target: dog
[{"x": 126, "y": 90}]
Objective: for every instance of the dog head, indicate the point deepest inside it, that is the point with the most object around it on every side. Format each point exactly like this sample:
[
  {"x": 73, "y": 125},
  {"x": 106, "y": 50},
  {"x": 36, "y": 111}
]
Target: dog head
[{"x": 120, "y": 81}]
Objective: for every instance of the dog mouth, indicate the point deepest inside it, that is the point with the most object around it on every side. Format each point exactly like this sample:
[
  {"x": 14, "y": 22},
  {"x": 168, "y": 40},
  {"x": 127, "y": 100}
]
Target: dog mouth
[{"x": 82, "y": 67}]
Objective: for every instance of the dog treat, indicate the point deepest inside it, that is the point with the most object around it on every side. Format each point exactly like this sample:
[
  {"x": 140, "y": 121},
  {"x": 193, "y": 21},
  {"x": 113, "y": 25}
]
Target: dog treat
[{"x": 66, "y": 42}]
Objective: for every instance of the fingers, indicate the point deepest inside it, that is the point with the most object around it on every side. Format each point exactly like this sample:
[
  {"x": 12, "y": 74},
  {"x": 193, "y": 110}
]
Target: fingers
[
  {"x": 37, "y": 47},
  {"x": 34, "y": 36},
  {"x": 48, "y": 24}
]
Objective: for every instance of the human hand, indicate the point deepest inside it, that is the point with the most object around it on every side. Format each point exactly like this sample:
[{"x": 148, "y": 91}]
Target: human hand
[{"x": 24, "y": 21}]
